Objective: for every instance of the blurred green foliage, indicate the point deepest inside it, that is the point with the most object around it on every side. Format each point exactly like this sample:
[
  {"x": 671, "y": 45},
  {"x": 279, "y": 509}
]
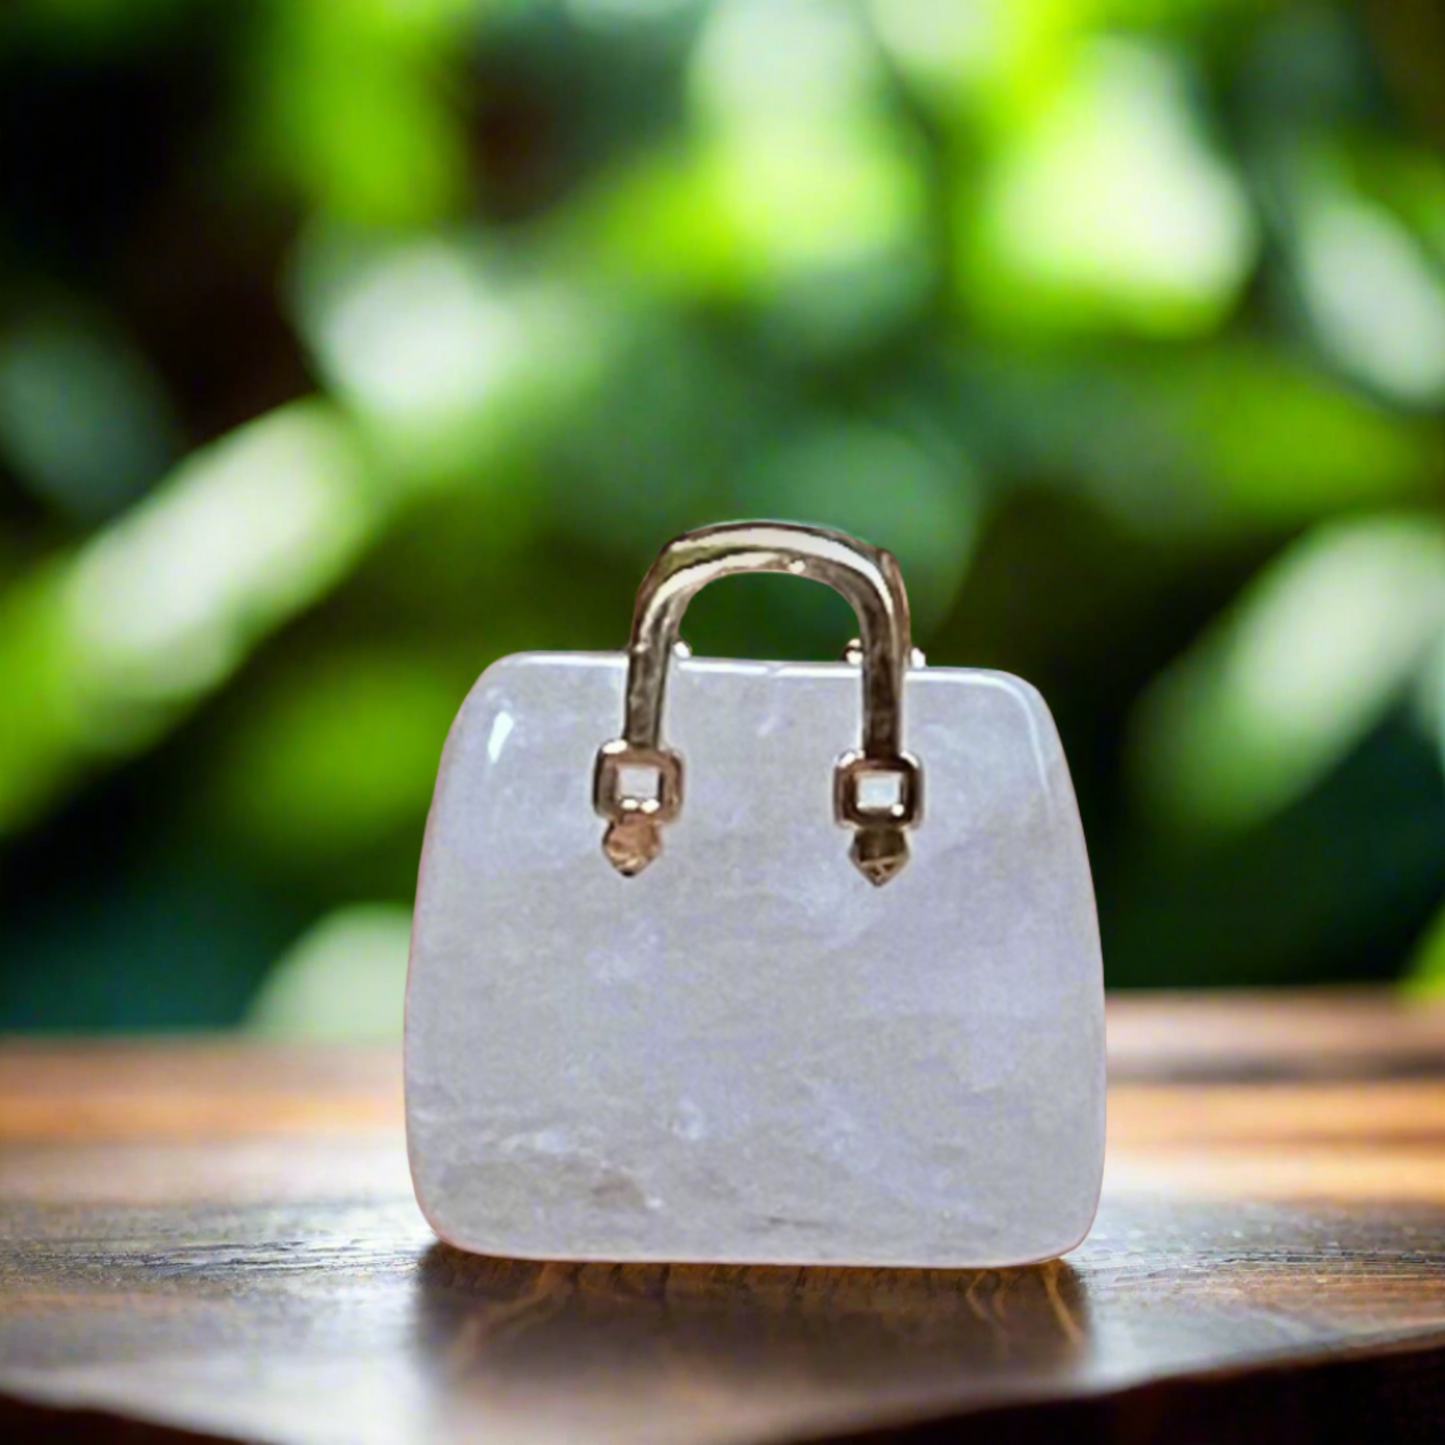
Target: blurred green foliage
[{"x": 348, "y": 344}]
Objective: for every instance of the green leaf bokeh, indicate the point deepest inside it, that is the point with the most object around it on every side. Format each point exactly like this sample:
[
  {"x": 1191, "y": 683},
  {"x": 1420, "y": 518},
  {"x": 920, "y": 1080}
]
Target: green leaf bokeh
[{"x": 347, "y": 345}]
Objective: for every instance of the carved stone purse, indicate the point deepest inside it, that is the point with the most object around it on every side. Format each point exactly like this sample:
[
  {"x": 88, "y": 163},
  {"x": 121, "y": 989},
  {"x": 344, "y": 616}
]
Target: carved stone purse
[{"x": 743, "y": 1046}]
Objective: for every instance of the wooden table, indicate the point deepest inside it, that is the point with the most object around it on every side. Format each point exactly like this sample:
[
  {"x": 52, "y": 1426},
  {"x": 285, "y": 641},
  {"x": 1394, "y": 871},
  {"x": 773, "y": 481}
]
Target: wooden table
[{"x": 219, "y": 1238}]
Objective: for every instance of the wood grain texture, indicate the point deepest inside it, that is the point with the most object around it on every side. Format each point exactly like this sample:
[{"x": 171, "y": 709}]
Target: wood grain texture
[{"x": 217, "y": 1240}]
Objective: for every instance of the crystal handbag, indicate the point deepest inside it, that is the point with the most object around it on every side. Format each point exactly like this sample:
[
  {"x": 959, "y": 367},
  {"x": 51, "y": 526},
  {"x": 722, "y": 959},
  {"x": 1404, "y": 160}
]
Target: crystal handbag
[{"x": 733, "y": 1033}]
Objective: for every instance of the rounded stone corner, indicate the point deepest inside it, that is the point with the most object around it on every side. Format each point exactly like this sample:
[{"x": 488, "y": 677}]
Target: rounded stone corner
[
  {"x": 428, "y": 1211},
  {"x": 1080, "y": 1233},
  {"x": 436, "y": 1221},
  {"x": 1083, "y": 1227},
  {"x": 491, "y": 674},
  {"x": 458, "y": 1237},
  {"x": 1022, "y": 690},
  {"x": 491, "y": 682},
  {"x": 1070, "y": 1240}
]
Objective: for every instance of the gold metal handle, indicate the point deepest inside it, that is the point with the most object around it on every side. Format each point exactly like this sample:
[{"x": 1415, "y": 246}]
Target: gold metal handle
[{"x": 878, "y": 790}]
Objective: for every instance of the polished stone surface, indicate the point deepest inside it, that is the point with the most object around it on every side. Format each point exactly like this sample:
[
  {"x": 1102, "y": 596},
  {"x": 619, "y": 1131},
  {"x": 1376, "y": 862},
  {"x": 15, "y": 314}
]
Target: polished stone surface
[{"x": 747, "y": 1053}]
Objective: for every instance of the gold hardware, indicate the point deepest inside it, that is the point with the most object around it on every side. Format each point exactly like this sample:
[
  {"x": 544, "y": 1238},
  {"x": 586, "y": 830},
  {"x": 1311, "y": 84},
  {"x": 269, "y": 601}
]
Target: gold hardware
[{"x": 868, "y": 577}]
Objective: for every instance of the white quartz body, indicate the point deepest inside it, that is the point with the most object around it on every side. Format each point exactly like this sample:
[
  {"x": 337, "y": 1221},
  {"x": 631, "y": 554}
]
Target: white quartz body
[{"x": 748, "y": 1053}]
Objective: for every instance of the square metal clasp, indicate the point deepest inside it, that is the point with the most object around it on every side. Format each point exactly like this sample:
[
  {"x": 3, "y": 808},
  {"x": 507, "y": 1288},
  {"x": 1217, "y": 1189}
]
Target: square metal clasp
[
  {"x": 876, "y": 792},
  {"x": 631, "y": 782}
]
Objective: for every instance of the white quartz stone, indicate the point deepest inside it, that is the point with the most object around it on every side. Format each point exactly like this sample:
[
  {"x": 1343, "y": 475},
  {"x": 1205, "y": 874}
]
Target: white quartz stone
[{"x": 748, "y": 1053}]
